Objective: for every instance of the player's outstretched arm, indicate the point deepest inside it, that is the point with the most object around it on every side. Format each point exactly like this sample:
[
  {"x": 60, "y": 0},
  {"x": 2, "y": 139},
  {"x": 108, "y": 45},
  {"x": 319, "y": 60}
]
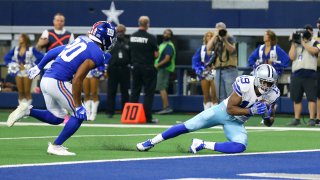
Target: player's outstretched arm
[
  {"x": 233, "y": 106},
  {"x": 78, "y": 78},
  {"x": 51, "y": 55}
]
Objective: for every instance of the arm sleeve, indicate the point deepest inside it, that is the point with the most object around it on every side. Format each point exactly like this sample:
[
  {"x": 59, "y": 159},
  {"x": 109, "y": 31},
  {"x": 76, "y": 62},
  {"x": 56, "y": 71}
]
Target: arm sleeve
[
  {"x": 8, "y": 57},
  {"x": 52, "y": 54},
  {"x": 253, "y": 57},
  {"x": 154, "y": 44},
  {"x": 168, "y": 51},
  {"x": 283, "y": 57},
  {"x": 39, "y": 55}
]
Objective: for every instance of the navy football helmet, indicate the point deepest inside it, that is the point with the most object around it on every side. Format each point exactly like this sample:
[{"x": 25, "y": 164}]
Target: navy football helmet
[{"x": 104, "y": 33}]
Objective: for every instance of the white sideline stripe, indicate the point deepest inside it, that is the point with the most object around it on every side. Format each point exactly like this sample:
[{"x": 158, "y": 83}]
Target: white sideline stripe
[
  {"x": 152, "y": 158},
  {"x": 283, "y": 175},
  {"x": 109, "y": 135},
  {"x": 160, "y": 126}
]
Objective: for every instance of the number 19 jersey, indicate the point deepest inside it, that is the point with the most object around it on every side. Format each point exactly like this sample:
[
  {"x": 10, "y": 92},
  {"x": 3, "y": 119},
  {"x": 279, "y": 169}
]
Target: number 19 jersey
[
  {"x": 73, "y": 55},
  {"x": 244, "y": 87}
]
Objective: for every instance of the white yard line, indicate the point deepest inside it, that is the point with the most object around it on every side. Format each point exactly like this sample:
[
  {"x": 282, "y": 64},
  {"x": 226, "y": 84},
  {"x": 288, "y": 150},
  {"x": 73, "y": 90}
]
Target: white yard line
[
  {"x": 153, "y": 158},
  {"x": 109, "y": 135},
  {"x": 283, "y": 175},
  {"x": 160, "y": 126}
]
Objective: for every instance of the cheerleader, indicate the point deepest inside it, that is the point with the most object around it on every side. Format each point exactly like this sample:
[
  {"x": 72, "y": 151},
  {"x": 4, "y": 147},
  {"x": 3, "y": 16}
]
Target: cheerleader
[
  {"x": 90, "y": 89},
  {"x": 269, "y": 53},
  {"x": 205, "y": 73},
  {"x": 19, "y": 60}
]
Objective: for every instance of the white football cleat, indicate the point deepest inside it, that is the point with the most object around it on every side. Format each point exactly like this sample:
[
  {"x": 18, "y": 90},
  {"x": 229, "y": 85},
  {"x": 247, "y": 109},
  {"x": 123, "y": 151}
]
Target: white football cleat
[
  {"x": 22, "y": 110},
  {"x": 59, "y": 150},
  {"x": 145, "y": 146},
  {"x": 197, "y": 145}
]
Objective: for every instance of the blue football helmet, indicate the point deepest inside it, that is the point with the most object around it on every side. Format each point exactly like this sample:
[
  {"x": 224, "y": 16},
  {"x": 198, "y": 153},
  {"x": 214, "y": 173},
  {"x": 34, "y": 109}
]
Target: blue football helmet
[{"x": 104, "y": 33}]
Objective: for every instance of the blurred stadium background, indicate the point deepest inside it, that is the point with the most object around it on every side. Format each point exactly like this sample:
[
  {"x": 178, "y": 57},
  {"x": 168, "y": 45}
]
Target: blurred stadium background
[{"x": 189, "y": 19}]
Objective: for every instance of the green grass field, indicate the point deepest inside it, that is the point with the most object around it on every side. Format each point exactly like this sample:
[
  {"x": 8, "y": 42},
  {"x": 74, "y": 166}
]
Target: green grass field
[{"x": 28, "y": 144}]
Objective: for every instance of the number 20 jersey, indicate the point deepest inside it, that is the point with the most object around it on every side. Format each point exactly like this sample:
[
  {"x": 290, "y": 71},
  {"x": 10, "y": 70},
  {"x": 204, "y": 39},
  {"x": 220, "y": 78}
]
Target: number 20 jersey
[
  {"x": 73, "y": 55},
  {"x": 244, "y": 87}
]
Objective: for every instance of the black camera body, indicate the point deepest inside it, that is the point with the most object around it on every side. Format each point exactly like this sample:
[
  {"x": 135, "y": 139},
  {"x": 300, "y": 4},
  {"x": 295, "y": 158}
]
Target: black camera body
[
  {"x": 296, "y": 36},
  {"x": 222, "y": 32}
]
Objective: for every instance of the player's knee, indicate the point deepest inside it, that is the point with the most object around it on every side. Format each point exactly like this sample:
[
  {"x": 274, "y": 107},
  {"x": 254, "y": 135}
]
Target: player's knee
[
  {"x": 239, "y": 148},
  {"x": 235, "y": 147}
]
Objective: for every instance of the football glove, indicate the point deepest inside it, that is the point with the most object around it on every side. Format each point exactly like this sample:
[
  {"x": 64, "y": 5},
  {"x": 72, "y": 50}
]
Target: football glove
[
  {"x": 258, "y": 108},
  {"x": 81, "y": 113},
  {"x": 33, "y": 72},
  {"x": 267, "y": 120}
]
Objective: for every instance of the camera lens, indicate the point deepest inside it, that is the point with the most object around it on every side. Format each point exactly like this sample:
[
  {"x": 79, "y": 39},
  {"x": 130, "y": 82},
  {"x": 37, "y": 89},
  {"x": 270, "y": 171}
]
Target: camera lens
[{"x": 222, "y": 32}]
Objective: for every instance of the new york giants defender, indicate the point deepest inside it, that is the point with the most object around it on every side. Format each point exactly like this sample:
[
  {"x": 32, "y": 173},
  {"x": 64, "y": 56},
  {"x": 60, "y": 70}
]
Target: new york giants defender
[
  {"x": 251, "y": 95},
  {"x": 62, "y": 83}
]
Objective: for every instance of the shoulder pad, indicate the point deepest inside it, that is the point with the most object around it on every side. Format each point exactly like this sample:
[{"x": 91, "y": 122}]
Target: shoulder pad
[{"x": 242, "y": 84}]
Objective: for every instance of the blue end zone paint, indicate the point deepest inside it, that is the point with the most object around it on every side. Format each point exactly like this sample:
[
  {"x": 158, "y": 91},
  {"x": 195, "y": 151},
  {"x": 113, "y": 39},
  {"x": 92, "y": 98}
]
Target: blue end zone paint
[{"x": 202, "y": 167}]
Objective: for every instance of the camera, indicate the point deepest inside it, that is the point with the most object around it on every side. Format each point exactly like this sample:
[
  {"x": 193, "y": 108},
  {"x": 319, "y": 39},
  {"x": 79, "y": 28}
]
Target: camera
[
  {"x": 296, "y": 36},
  {"x": 222, "y": 32}
]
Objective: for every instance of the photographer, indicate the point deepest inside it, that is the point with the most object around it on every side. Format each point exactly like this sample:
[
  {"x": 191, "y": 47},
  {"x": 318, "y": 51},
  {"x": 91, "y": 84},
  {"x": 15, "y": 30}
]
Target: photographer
[
  {"x": 303, "y": 54},
  {"x": 225, "y": 61}
]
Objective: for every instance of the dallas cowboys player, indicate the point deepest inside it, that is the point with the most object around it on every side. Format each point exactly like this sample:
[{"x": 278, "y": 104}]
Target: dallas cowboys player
[
  {"x": 72, "y": 64},
  {"x": 251, "y": 95}
]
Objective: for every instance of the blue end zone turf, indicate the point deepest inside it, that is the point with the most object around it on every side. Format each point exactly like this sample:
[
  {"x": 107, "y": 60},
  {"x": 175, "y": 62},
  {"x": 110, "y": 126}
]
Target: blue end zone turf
[{"x": 199, "y": 167}]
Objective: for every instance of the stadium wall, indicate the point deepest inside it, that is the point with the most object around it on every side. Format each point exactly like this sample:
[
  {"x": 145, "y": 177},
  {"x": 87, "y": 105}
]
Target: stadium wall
[
  {"x": 185, "y": 14},
  {"x": 178, "y": 103}
]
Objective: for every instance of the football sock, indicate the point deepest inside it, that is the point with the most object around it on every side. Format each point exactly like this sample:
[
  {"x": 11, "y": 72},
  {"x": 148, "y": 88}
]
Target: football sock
[
  {"x": 87, "y": 105},
  {"x": 29, "y": 102},
  {"x": 94, "y": 109},
  {"x": 229, "y": 147},
  {"x": 174, "y": 131},
  {"x": 69, "y": 129},
  {"x": 209, "y": 145},
  {"x": 157, "y": 139},
  {"x": 45, "y": 116}
]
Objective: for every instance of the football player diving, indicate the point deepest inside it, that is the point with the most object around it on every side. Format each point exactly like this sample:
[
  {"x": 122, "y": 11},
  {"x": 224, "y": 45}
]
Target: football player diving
[
  {"x": 61, "y": 85},
  {"x": 251, "y": 95}
]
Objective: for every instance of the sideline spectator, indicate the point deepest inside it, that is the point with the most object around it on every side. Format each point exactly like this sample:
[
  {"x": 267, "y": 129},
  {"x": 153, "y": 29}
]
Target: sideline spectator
[
  {"x": 226, "y": 60},
  {"x": 144, "y": 50},
  {"x": 19, "y": 60},
  {"x": 119, "y": 71},
  {"x": 165, "y": 64},
  {"x": 205, "y": 72},
  {"x": 269, "y": 53},
  {"x": 51, "y": 38},
  {"x": 303, "y": 54}
]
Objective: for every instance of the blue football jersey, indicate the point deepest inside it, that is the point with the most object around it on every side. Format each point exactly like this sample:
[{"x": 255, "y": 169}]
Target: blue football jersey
[{"x": 73, "y": 55}]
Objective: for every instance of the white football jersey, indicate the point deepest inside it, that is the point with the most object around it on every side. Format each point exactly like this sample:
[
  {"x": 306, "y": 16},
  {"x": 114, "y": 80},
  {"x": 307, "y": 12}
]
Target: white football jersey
[{"x": 244, "y": 87}]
